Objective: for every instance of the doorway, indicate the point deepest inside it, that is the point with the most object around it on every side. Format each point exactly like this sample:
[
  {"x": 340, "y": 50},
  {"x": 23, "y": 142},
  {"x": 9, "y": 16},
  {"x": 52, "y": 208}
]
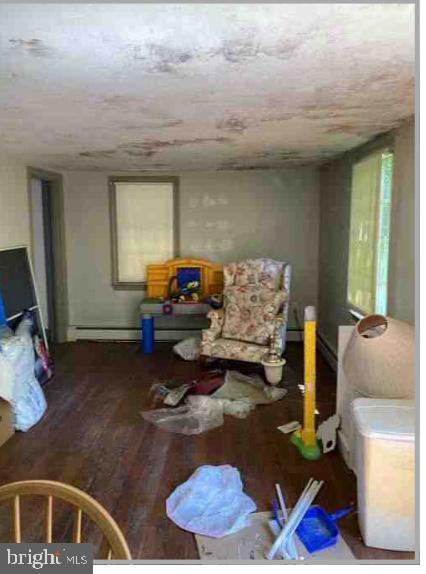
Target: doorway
[
  {"x": 42, "y": 244},
  {"x": 48, "y": 250}
]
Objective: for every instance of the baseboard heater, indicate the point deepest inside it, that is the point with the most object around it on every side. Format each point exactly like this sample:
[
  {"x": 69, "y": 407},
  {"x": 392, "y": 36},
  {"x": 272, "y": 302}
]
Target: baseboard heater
[
  {"x": 79, "y": 333},
  {"x": 327, "y": 352}
]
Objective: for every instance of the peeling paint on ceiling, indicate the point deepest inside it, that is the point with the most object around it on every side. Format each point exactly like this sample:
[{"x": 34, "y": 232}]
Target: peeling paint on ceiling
[{"x": 200, "y": 87}]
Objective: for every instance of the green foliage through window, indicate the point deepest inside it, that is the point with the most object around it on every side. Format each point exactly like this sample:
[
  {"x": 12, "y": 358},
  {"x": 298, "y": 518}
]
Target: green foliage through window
[{"x": 370, "y": 233}]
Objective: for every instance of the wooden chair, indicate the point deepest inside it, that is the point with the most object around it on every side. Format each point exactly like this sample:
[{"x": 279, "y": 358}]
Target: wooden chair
[{"x": 115, "y": 545}]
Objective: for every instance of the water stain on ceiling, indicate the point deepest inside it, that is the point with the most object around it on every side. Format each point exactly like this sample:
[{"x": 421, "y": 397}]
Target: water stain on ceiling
[
  {"x": 160, "y": 59},
  {"x": 32, "y": 47},
  {"x": 232, "y": 125},
  {"x": 178, "y": 87}
]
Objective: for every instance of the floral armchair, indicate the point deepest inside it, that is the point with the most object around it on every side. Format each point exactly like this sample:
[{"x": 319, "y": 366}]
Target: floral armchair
[{"x": 256, "y": 299}]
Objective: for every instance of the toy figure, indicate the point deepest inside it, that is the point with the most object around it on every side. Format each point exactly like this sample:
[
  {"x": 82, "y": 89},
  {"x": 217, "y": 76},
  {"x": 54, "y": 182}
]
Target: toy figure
[{"x": 189, "y": 293}]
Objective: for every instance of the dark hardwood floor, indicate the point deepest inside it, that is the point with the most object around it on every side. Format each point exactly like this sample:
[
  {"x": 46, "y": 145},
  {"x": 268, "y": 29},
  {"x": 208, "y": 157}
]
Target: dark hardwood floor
[{"x": 93, "y": 437}]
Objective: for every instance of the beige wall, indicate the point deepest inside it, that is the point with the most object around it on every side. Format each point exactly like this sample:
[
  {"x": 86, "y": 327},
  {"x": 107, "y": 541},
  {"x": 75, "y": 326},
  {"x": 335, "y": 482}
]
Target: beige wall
[
  {"x": 334, "y": 237},
  {"x": 402, "y": 263},
  {"x": 14, "y": 204},
  {"x": 223, "y": 216},
  {"x": 227, "y": 216}
]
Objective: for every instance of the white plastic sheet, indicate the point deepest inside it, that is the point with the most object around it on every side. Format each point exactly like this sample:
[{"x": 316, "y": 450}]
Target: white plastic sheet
[
  {"x": 198, "y": 415},
  {"x": 239, "y": 386},
  {"x": 211, "y": 502}
]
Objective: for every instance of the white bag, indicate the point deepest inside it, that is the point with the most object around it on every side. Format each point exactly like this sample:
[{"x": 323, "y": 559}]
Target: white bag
[
  {"x": 211, "y": 502},
  {"x": 7, "y": 379},
  {"x": 28, "y": 401},
  {"x": 7, "y": 376},
  {"x": 188, "y": 349}
]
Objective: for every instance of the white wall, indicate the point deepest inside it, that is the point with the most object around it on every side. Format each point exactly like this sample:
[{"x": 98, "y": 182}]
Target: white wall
[
  {"x": 224, "y": 216},
  {"x": 14, "y": 204},
  {"x": 334, "y": 238},
  {"x": 402, "y": 263}
]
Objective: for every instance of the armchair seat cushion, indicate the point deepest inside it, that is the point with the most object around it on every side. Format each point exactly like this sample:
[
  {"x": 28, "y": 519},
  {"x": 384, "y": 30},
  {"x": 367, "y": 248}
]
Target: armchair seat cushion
[
  {"x": 249, "y": 313},
  {"x": 234, "y": 350}
]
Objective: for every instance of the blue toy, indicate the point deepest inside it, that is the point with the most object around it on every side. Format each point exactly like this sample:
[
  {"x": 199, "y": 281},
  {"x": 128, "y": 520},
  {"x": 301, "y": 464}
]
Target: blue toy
[
  {"x": 2, "y": 313},
  {"x": 318, "y": 529}
]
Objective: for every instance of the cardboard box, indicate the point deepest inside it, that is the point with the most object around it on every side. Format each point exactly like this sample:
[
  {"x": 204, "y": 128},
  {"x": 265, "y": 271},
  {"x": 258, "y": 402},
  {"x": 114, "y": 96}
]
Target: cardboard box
[{"x": 7, "y": 427}]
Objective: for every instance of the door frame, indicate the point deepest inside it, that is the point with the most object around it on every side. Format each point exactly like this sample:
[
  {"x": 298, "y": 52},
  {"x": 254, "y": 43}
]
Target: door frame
[{"x": 57, "y": 224}]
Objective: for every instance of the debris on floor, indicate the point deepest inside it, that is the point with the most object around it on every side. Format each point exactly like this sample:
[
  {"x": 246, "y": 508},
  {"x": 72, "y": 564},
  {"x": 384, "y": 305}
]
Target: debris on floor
[
  {"x": 252, "y": 387},
  {"x": 290, "y": 427},
  {"x": 198, "y": 415},
  {"x": 161, "y": 388},
  {"x": 236, "y": 395},
  {"x": 302, "y": 533},
  {"x": 208, "y": 382},
  {"x": 211, "y": 502},
  {"x": 171, "y": 392},
  {"x": 284, "y": 542},
  {"x": 318, "y": 529},
  {"x": 327, "y": 433},
  {"x": 188, "y": 349},
  {"x": 254, "y": 541},
  {"x": 173, "y": 396}
]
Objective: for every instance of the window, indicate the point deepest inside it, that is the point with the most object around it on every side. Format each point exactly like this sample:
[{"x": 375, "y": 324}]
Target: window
[
  {"x": 370, "y": 232},
  {"x": 143, "y": 226}
]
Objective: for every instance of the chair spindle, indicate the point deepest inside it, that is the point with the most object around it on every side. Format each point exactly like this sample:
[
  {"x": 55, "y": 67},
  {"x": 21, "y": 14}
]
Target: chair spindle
[
  {"x": 49, "y": 519},
  {"x": 77, "y": 526},
  {"x": 17, "y": 518}
]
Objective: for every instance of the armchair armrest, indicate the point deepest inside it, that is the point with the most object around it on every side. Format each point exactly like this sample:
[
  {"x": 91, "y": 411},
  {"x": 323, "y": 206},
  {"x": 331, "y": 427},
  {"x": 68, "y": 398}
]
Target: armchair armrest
[
  {"x": 280, "y": 327},
  {"x": 217, "y": 317}
]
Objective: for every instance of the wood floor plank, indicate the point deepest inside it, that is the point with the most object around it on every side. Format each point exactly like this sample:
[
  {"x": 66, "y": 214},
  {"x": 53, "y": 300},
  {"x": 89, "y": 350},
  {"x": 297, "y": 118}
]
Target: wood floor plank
[{"x": 93, "y": 437}]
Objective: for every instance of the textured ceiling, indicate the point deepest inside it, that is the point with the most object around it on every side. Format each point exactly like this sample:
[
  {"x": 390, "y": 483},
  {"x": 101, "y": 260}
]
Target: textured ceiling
[{"x": 184, "y": 87}]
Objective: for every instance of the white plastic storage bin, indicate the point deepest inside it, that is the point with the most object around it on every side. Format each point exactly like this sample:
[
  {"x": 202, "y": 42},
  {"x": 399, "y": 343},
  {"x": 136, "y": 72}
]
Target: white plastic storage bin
[{"x": 385, "y": 468}]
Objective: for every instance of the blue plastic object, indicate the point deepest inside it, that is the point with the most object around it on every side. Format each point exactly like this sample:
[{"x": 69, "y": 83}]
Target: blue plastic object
[
  {"x": 148, "y": 334},
  {"x": 318, "y": 529},
  {"x": 2, "y": 313}
]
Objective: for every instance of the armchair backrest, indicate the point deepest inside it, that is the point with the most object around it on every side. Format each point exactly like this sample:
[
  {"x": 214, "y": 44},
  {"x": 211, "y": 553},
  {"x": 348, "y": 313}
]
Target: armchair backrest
[{"x": 263, "y": 272}]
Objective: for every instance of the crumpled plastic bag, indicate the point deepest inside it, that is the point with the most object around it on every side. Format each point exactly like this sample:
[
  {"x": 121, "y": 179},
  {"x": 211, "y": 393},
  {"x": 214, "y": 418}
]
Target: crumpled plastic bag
[
  {"x": 239, "y": 409},
  {"x": 211, "y": 502},
  {"x": 237, "y": 397},
  {"x": 198, "y": 415},
  {"x": 188, "y": 349},
  {"x": 250, "y": 387},
  {"x": 28, "y": 400}
]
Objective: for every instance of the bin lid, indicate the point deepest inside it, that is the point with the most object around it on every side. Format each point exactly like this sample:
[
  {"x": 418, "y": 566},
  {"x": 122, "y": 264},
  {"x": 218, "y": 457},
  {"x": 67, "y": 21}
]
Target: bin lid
[{"x": 386, "y": 419}]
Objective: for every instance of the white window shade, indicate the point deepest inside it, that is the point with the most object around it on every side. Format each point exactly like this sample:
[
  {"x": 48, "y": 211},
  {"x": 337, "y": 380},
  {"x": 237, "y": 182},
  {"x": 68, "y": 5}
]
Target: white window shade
[{"x": 144, "y": 228}]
